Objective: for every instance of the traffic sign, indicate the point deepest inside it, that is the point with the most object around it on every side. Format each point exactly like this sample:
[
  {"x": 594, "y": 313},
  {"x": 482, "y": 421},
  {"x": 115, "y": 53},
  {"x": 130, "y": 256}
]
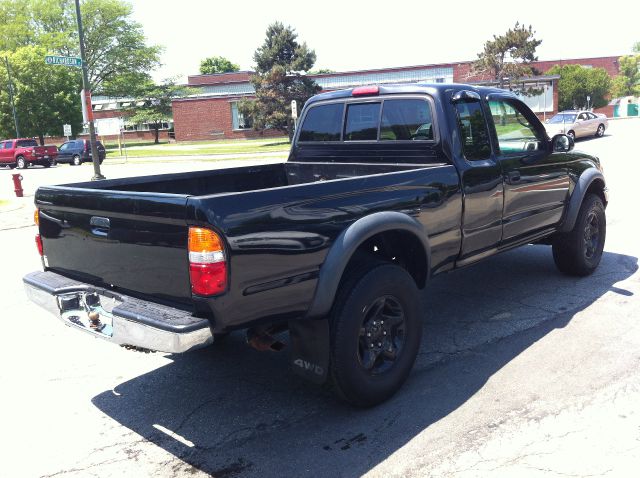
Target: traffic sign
[
  {"x": 67, "y": 129},
  {"x": 63, "y": 60},
  {"x": 294, "y": 109}
]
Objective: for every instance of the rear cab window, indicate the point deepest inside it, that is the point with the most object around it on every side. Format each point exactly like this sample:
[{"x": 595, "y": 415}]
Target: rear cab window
[
  {"x": 384, "y": 119},
  {"x": 25, "y": 143}
]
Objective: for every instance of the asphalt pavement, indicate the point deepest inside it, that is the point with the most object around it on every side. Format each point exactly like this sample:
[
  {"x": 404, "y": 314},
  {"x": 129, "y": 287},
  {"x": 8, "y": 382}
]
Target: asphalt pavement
[{"x": 522, "y": 372}]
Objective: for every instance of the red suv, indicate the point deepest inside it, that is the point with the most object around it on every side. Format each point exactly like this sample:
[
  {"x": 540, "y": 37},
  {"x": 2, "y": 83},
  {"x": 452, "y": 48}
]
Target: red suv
[{"x": 24, "y": 152}]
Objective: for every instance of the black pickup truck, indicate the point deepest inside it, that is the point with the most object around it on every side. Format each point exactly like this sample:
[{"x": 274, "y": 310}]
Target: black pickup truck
[{"x": 385, "y": 186}]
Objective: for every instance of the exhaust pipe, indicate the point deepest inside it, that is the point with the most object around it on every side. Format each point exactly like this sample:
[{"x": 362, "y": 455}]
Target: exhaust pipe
[{"x": 261, "y": 338}]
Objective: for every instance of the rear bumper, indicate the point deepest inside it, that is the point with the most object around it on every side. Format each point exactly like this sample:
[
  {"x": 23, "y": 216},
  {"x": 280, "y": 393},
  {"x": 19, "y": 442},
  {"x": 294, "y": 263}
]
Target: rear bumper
[{"x": 124, "y": 320}]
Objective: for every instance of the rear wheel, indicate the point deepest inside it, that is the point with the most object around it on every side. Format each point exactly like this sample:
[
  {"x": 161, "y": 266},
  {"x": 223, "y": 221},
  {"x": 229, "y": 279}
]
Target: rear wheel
[
  {"x": 375, "y": 333},
  {"x": 600, "y": 131},
  {"x": 21, "y": 162},
  {"x": 571, "y": 135},
  {"x": 578, "y": 252},
  {"x": 76, "y": 160}
]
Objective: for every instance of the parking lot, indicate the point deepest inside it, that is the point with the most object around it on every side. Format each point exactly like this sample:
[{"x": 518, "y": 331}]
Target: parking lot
[{"x": 522, "y": 372}]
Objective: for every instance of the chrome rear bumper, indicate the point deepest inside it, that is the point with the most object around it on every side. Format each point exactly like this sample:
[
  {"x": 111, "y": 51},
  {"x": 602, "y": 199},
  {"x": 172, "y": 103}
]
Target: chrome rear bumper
[{"x": 120, "y": 319}]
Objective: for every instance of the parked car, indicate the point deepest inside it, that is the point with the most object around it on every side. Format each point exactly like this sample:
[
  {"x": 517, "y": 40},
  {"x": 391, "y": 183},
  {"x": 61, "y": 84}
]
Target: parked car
[
  {"x": 78, "y": 151},
  {"x": 577, "y": 124},
  {"x": 384, "y": 188},
  {"x": 25, "y": 152}
]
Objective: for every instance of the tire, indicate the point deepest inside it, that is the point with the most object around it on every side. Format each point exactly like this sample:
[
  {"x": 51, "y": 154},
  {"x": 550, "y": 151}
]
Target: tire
[
  {"x": 572, "y": 135},
  {"x": 370, "y": 360},
  {"x": 21, "y": 163},
  {"x": 600, "y": 131},
  {"x": 76, "y": 160},
  {"x": 578, "y": 252},
  {"x": 47, "y": 165}
]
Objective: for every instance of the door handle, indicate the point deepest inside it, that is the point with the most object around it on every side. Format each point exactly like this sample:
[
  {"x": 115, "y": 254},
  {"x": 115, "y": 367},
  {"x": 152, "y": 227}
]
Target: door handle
[{"x": 514, "y": 176}]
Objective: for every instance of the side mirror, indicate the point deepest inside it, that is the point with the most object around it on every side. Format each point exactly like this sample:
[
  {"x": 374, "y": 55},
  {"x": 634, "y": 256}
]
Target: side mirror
[{"x": 561, "y": 143}]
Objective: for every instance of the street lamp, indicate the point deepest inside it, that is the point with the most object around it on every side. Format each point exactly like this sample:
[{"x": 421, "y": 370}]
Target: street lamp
[{"x": 85, "y": 84}]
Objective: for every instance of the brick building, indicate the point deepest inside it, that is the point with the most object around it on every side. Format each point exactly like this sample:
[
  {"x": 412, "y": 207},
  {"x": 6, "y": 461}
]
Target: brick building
[{"x": 212, "y": 112}]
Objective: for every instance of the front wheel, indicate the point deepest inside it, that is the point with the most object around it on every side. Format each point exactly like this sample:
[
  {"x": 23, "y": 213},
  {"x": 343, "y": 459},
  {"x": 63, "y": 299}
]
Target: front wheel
[
  {"x": 21, "y": 162},
  {"x": 375, "y": 333},
  {"x": 600, "y": 131},
  {"x": 578, "y": 252}
]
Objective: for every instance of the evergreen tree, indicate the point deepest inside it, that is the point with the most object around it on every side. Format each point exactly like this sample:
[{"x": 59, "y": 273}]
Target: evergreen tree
[
  {"x": 281, "y": 64},
  {"x": 507, "y": 57}
]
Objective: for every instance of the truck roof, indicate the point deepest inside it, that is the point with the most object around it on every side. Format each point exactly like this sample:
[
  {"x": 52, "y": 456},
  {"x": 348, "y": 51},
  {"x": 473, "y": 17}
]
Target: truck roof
[{"x": 428, "y": 88}]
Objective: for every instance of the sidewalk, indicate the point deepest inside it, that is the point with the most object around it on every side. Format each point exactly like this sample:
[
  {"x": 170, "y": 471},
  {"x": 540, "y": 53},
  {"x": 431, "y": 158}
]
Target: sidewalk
[{"x": 16, "y": 213}]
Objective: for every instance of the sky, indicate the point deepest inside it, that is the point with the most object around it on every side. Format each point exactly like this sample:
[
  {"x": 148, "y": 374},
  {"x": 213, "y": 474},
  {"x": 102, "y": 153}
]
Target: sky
[{"x": 356, "y": 35}]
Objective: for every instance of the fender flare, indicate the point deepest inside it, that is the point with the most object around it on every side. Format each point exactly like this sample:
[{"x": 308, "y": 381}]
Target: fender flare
[
  {"x": 348, "y": 242},
  {"x": 579, "y": 192}
]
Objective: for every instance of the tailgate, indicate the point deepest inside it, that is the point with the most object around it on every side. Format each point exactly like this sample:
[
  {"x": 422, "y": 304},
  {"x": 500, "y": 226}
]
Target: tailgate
[
  {"x": 129, "y": 241},
  {"x": 45, "y": 150}
]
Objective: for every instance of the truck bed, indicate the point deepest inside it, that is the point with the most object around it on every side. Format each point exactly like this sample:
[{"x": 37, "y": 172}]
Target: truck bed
[
  {"x": 263, "y": 212},
  {"x": 250, "y": 178}
]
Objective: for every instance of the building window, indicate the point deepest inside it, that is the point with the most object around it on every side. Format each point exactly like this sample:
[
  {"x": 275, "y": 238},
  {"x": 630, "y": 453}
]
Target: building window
[{"x": 239, "y": 120}]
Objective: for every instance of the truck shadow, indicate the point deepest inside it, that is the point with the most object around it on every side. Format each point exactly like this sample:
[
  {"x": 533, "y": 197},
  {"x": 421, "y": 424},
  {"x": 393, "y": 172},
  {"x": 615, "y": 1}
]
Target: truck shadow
[{"x": 230, "y": 411}]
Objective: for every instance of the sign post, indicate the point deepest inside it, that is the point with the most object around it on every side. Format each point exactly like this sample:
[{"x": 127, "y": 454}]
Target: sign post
[
  {"x": 294, "y": 114},
  {"x": 87, "y": 90}
]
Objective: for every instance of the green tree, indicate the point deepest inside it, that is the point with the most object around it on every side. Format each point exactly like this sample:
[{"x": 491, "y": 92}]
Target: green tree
[
  {"x": 46, "y": 97},
  {"x": 118, "y": 56},
  {"x": 577, "y": 82},
  {"x": 507, "y": 57},
  {"x": 281, "y": 62},
  {"x": 627, "y": 83},
  {"x": 217, "y": 64},
  {"x": 153, "y": 104}
]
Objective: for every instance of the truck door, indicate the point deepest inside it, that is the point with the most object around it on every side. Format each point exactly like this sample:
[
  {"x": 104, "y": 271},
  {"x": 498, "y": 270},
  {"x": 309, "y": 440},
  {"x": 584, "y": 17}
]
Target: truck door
[
  {"x": 481, "y": 179},
  {"x": 536, "y": 183}
]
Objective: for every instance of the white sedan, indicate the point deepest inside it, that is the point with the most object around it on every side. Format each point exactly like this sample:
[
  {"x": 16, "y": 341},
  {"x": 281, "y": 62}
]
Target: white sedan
[{"x": 577, "y": 124}]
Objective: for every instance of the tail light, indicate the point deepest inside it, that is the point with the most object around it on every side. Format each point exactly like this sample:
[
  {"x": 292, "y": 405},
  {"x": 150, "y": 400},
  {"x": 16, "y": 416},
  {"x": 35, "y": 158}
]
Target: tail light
[
  {"x": 207, "y": 263},
  {"x": 39, "y": 245},
  {"x": 36, "y": 220}
]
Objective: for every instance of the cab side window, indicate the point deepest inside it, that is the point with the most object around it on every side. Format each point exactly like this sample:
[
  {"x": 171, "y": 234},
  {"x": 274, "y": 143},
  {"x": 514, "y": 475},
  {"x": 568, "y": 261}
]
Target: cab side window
[
  {"x": 473, "y": 130},
  {"x": 516, "y": 134}
]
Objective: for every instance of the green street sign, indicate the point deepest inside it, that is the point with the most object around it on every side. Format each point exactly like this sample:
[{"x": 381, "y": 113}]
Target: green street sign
[{"x": 63, "y": 60}]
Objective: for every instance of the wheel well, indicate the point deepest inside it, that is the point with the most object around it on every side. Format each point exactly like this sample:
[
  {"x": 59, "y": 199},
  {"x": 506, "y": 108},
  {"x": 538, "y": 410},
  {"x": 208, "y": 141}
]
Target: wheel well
[
  {"x": 597, "y": 187},
  {"x": 399, "y": 247}
]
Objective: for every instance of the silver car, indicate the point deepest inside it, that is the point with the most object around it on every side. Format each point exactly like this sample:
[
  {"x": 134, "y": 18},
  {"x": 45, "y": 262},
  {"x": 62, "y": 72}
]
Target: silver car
[{"x": 577, "y": 124}]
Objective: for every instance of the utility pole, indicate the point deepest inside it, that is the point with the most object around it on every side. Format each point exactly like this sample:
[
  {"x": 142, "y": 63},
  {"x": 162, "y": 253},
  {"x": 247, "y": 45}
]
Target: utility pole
[
  {"x": 85, "y": 83},
  {"x": 13, "y": 105}
]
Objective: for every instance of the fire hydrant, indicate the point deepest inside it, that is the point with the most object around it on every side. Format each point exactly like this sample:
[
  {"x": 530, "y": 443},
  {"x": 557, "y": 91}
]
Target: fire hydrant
[{"x": 17, "y": 184}]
